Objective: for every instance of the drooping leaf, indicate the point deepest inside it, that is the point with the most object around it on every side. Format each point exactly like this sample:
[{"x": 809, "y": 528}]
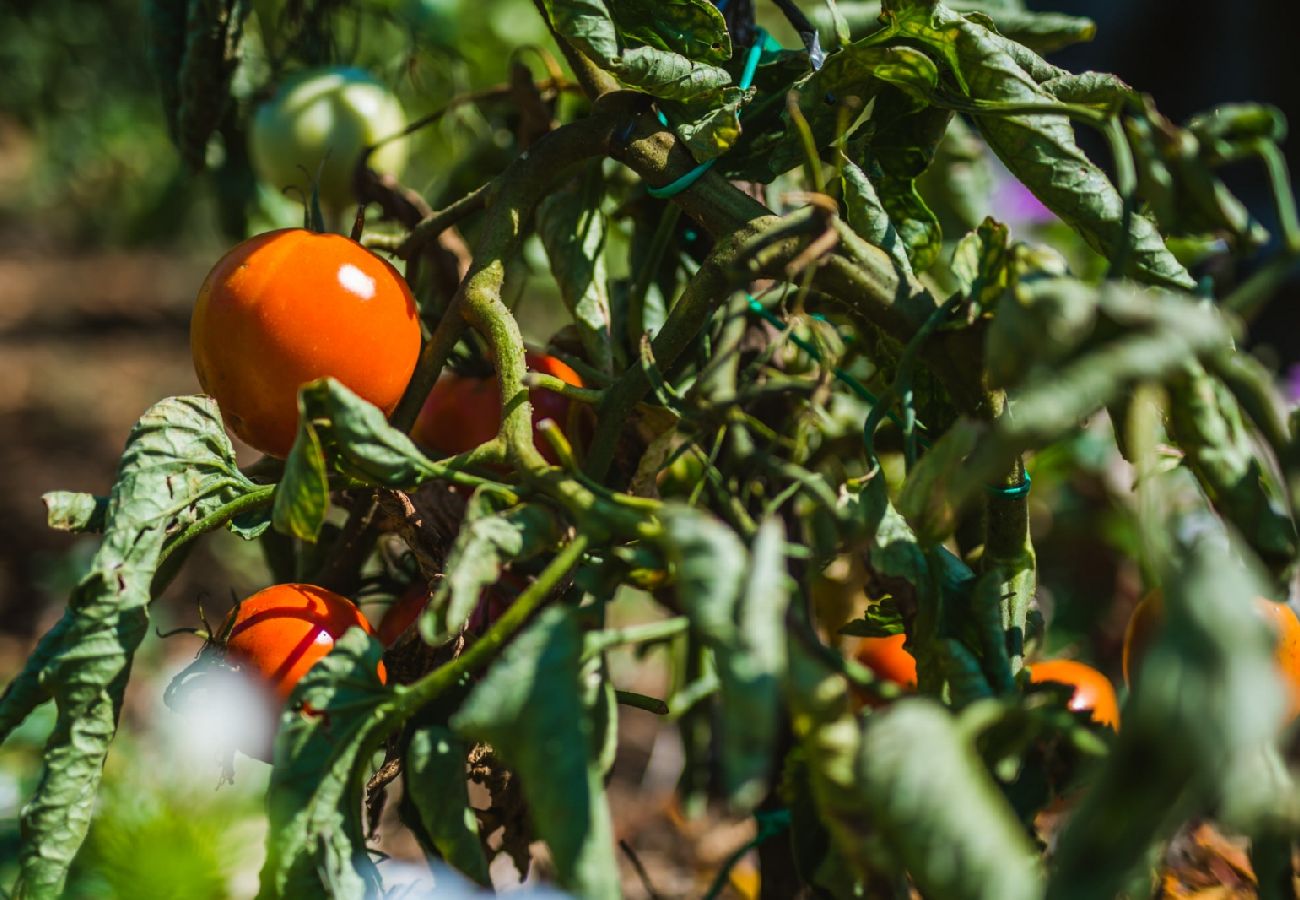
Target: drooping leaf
[
  {"x": 1040, "y": 149},
  {"x": 337, "y": 716},
  {"x": 529, "y": 708},
  {"x": 338, "y": 431},
  {"x": 1040, "y": 31},
  {"x": 436, "y": 792},
  {"x": 70, "y": 511},
  {"x": 489, "y": 538},
  {"x": 736, "y": 601},
  {"x": 572, "y": 228},
  {"x": 178, "y": 467},
  {"x": 867, "y": 216}
]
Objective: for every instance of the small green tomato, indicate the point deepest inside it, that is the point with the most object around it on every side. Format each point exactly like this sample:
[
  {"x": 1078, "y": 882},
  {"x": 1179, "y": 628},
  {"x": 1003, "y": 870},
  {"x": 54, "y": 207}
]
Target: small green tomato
[{"x": 321, "y": 121}]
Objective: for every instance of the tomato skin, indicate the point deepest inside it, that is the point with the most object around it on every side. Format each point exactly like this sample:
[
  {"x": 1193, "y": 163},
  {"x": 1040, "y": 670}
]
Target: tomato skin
[
  {"x": 886, "y": 657},
  {"x": 463, "y": 412},
  {"x": 282, "y": 631},
  {"x": 1148, "y": 618},
  {"x": 290, "y": 306},
  {"x": 403, "y": 613},
  {"x": 1093, "y": 691},
  {"x": 318, "y": 124}
]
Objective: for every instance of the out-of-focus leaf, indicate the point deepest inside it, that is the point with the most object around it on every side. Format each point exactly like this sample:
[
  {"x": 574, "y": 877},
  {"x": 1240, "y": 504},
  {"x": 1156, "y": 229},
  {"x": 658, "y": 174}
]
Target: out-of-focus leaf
[
  {"x": 572, "y": 228},
  {"x": 489, "y": 538},
  {"x": 1039, "y": 322},
  {"x": 529, "y": 708},
  {"x": 736, "y": 601},
  {"x": 1039, "y": 31},
  {"x": 337, "y": 716},
  {"x": 70, "y": 511},
  {"x": 908, "y": 790},
  {"x": 693, "y": 28},
  {"x": 1216, "y": 650},
  {"x": 1040, "y": 148},
  {"x": 924, "y": 499},
  {"x": 178, "y": 467},
  {"x": 958, "y": 185},
  {"x": 880, "y": 620},
  {"x": 436, "y": 798},
  {"x": 1206, "y": 423}
]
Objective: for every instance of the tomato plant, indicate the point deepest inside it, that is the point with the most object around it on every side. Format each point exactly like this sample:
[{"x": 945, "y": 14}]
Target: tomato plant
[
  {"x": 288, "y": 307},
  {"x": 313, "y": 131},
  {"x": 823, "y": 393}
]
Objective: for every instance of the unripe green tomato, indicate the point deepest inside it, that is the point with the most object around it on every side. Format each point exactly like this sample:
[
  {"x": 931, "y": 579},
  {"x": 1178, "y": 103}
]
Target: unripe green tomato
[{"x": 321, "y": 121}]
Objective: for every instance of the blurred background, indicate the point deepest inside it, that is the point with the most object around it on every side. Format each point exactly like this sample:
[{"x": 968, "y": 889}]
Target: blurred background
[{"x": 105, "y": 238}]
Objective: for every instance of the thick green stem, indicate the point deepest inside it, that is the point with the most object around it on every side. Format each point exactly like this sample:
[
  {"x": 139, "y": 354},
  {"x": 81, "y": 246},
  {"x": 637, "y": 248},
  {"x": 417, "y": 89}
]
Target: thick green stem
[{"x": 480, "y": 653}]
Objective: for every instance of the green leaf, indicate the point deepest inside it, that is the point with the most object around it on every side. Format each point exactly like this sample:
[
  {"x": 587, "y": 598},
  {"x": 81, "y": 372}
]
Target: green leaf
[
  {"x": 1041, "y": 322},
  {"x": 866, "y": 215},
  {"x": 880, "y": 620},
  {"x": 1207, "y": 424},
  {"x": 572, "y": 228},
  {"x": 337, "y": 716},
  {"x": 1040, "y": 149},
  {"x": 939, "y": 812},
  {"x": 529, "y": 708},
  {"x": 924, "y": 500},
  {"x": 981, "y": 263},
  {"x": 437, "y": 796},
  {"x": 489, "y": 538},
  {"x": 70, "y": 511},
  {"x": 692, "y": 28},
  {"x": 302, "y": 497},
  {"x": 736, "y": 601},
  {"x": 1040, "y": 31},
  {"x": 178, "y": 467}
]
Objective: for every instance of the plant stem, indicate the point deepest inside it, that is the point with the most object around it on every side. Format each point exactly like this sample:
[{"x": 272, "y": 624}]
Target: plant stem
[{"x": 479, "y": 653}]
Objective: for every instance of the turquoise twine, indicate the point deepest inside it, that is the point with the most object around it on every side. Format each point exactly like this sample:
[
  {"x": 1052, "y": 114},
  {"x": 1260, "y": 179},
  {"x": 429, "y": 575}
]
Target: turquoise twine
[
  {"x": 762, "y": 41},
  {"x": 1012, "y": 491}
]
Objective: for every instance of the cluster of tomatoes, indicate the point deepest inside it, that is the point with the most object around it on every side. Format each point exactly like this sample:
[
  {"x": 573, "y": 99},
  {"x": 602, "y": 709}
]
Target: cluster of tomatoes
[
  {"x": 1092, "y": 693},
  {"x": 291, "y": 306}
]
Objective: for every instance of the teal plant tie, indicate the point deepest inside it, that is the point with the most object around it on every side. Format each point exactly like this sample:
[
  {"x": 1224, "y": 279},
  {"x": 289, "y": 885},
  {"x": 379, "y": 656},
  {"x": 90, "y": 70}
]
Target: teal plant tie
[
  {"x": 762, "y": 42},
  {"x": 1014, "y": 490}
]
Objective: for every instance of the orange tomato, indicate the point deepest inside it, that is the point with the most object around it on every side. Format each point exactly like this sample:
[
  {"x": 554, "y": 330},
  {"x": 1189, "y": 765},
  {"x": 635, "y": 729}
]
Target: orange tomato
[
  {"x": 886, "y": 657},
  {"x": 288, "y": 307},
  {"x": 1093, "y": 691},
  {"x": 281, "y": 632},
  {"x": 463, "y": 412},
  {"x": 1149, "y": 615}
]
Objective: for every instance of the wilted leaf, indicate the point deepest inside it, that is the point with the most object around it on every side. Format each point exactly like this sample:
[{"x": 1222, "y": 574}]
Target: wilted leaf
[
  {"x": 529, "y": 708},
  {"x": 69, "y": 511},
  {"x": 178, "y": 467}
]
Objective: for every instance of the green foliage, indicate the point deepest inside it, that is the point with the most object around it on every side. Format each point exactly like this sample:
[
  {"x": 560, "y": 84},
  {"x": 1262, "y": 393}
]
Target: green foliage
[{"x": 846, "y": 399}]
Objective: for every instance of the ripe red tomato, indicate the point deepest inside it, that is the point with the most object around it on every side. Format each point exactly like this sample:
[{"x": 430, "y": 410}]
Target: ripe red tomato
[
  {"x": 463, "y": 412},
  {"x": 403, "y": 613},
  {"x": 1093, "y": 691},
  {"x": 288, "y": 307},
  {"x": 886, "y": 657},
  {"x": 284, "y": 630},
  {"x": 1148, "y": 618}
]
